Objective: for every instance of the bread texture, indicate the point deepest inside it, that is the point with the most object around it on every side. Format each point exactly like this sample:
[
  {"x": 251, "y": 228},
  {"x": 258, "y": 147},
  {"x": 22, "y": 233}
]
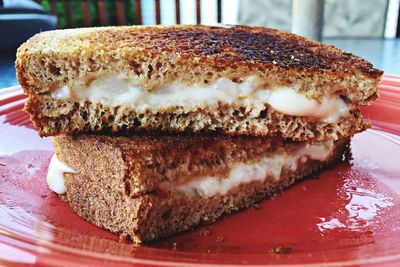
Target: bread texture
[
  {"x": 57, "y": 116},
  {"x": 160, "y": 55},
  {"x": 103, "y": 189},
  {"x": 142, "y": 163},
  {"x": 193, "y": 54}
]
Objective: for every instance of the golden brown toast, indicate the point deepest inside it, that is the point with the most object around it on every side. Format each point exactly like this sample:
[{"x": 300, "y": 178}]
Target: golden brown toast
[
  {"x": 158, "y": 56},
  {"x": 146, "y": 188}
]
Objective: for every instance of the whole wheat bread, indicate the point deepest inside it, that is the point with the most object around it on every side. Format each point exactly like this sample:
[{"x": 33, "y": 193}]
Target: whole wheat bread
[
  {"x": 120, "y": 181},
  {"x": 156, "y": 56}
]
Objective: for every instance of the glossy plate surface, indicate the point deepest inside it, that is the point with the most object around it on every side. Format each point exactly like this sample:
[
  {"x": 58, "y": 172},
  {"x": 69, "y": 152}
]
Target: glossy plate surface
[{"x": 350, "y": 215}]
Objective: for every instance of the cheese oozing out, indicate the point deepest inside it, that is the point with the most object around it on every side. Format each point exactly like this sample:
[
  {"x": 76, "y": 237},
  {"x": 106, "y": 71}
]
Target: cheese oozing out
[
  {"x": 267, "y": 167},
  {"x": 121, "y": 90},
  {"x": 55, "y": 175}
]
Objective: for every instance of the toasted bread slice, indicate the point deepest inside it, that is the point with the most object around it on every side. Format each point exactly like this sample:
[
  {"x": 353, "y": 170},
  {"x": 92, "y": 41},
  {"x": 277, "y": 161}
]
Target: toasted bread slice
[
  {"x": 151, "y": 187},
  {"x": 234, "y": 80}
]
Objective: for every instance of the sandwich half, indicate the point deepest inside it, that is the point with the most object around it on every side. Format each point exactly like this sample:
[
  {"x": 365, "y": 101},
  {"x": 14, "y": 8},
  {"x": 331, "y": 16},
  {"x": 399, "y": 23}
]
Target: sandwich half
[
  {"x": 149, "y": 187},
  {"x": 234, "y": 80}
]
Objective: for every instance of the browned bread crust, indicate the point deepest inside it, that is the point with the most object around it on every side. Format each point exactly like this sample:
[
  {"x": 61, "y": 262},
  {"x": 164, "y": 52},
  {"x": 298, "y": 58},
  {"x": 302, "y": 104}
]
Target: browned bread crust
[
  {"x": 156, "y": 56},
  {"x": 104, "y": 201},
  {"x": 68, "y": 117},
  {"x": 141, "y": 163},
  {"x": 193, "y": 54}
]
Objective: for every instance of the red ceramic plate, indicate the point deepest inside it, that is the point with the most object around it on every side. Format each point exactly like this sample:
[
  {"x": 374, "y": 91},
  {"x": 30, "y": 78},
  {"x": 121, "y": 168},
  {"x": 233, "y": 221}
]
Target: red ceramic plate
[{"x": 350, "y": 215}]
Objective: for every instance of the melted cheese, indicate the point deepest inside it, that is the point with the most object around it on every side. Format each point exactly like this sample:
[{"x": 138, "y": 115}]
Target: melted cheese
[
  {"x": 289, "y": 102},
  {"x": 120, "y": 90},
  {"x": 55, "y": 175},
  {"x": 269, "y": 166},
  {"x": 241, "y": 173}
]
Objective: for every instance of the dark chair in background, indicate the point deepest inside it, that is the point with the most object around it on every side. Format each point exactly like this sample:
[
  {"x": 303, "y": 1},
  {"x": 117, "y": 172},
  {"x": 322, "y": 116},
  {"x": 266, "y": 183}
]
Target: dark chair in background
[{"x": 21, "y": 19}]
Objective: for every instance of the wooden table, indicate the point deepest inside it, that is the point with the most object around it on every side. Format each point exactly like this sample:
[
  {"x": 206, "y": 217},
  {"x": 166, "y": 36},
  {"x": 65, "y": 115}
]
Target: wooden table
[{"x": 383, "y": 53}]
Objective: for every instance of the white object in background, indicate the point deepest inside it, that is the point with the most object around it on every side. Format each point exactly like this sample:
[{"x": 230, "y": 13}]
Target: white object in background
[
  {"x": 391, "y": 19},
  {"x": 307, "y": 18}
]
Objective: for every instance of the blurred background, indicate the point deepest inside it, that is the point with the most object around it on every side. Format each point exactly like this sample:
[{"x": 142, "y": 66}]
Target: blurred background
[{"x": 368, "y": 28}]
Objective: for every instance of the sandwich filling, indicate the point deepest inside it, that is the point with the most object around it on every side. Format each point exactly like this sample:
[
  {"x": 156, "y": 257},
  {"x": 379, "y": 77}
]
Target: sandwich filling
[
  {"x": 121, "y": 90},
  {"x": 55, "y": 174},
  {"x": 268, "y": 167}
]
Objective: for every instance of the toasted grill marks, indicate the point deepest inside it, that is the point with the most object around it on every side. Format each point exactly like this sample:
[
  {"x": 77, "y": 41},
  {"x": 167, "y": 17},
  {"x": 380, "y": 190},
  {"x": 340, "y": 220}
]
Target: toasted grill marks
[
  {"x": 156, "y": 56},
  {"x": 238, "y": 45},
  {"x": 192, "y": 54}
]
